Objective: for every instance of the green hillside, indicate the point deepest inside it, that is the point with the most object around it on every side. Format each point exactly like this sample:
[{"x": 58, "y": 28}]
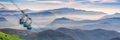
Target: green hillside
[{"x": 4, "y": 36}]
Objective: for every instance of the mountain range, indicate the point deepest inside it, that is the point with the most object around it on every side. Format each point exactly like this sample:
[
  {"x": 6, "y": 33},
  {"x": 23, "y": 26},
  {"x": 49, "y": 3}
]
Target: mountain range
[
  {"x": 72, "y": 11},
  {"x": 64, "y": 34},
  {"x": 8, "y": 12},
  {"x": 44, "y": 35},
  {"x": 59, "y": 11},
  {"x": 97, "y": 34},
  {"x": 41, "y": 13},
  {"x": 113, "y": 15},
  {"x": 111, "y": 23},
  {"x": 64, "y": 11},
  {"x": 4, "y": 10},
  {"x": 67, "y": 28}
]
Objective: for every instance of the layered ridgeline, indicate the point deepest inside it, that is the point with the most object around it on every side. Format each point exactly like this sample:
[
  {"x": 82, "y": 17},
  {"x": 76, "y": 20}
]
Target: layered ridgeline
[
  {"x": 41, "y": 13},
  {"x": 8, "y": 12},
  {"x": 44, "y": 35},
  {"x": 113, "y": 15},
  {"x": 109, "y": 22},
  {"x": 77, "y": 14},
  {"x": 59, "y": 11},
  {"x": 97, "y": 34},
  {"x": 4, "y": 36},
  {"x": 25, "y": 35},
  {"x": 65, "y": 34},
  {"x": 66, "y": 12},
  {"x": 10, "y": 18},
  {"x": 43, "y": 18},
  {"x": 73, "y": 11}
]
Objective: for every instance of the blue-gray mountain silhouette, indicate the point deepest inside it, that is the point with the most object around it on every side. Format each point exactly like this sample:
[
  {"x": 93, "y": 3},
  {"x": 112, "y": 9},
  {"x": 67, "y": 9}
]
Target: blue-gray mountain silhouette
[
  {"x": 69, "y": 11},
  {"x": 106, "y": 23}
]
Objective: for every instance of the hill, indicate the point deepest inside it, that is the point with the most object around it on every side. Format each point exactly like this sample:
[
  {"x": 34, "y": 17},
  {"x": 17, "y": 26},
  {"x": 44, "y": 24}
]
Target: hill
[{"x": 4, "y": 36}]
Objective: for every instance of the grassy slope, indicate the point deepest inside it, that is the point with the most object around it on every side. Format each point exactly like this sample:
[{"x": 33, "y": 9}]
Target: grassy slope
[{"x": 4, "y": 36}]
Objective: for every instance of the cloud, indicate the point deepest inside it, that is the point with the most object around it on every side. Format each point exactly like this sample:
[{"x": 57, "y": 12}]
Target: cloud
[
  {"x": 94, "y": 0},
  {"x": 108, "y": 1},
  {"x": 53, "y": 4},
  {"x": 104, "y": 1},
  {"x": 43, "y": 0},
  {"x": 5, "y": 3},
  {"x": 57, "y": 2},
  {"x": 72, "y": 2}
]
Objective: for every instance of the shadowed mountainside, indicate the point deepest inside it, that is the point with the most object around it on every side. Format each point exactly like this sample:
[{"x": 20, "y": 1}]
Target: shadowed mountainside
[
  {"x": 64, "y": 34},
  {"x": 45, "y": 35}
]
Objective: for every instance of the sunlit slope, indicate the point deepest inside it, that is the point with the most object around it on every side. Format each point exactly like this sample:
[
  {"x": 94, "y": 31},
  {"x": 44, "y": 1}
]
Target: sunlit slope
[{"x": 4, "y": 36}]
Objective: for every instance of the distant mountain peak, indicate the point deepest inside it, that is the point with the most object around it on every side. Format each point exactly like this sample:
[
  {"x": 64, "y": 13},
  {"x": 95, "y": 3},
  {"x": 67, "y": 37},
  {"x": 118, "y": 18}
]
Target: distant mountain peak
[
  {"x": 27, "y": 10},
  {"x": 116, "y": 14},
  {"x": 63, "y": 18},
  {"x": 98, "y": 30},
  {"x": 66, "y": 9},
  {"x": 115, "y": 18},
  {"x": 63, "y": 28},
  {"x": 54, "y": 35},
  {"x": 2, "y": 19},
  {"x": 3, "y": 9},
  {"x": 41, "y": 13},
  {"x": 73, "y": 11}
]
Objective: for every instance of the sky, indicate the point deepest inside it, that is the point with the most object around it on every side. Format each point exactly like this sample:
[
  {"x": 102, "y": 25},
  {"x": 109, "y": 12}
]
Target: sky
[{"x": 107, "y": 6}]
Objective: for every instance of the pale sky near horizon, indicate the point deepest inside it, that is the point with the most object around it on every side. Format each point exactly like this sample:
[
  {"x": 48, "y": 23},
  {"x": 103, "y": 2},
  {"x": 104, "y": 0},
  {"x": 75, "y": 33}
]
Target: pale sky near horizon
[{"x": 107, "y": 6}]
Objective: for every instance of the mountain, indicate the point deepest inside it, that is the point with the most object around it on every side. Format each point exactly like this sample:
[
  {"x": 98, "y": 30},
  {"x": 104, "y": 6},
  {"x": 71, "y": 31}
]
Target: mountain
[
  {"x": 53, "y": 35},
  {"x": 4, "y": 36},
  {"x": 69, "y": 11},
  {"x": 2, "y": 19},
  {"x": 44, "y": 35},
  {"x": 68, "y": 23},
  {"x": 26, "y": 35},
  {"x": 117, "y": 38},
  {"x": 107, "y": 23},
  {"x": 98, "y": 34},
  {"x": 76, "y": 34},
  {"x": 64, "y": 34},
  {"x": 4, "y": 10},
  {"x": 43, "y": 13},
  {"x": 7, "y": 12},
  {"x": 27, "y": 10},
  {"x": 37, "y": 14},
  {"x": 113, "y": 15},
  {"x": 64, "y": 19},
  {"x": 61, "y": 22}
]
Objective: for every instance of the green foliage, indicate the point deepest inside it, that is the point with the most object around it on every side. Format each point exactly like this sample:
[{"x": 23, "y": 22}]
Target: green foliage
[{"x": 4, "y": 36}]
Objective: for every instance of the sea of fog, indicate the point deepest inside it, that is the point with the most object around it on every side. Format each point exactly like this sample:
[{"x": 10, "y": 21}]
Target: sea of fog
[{"x": 41, "y": 22}]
